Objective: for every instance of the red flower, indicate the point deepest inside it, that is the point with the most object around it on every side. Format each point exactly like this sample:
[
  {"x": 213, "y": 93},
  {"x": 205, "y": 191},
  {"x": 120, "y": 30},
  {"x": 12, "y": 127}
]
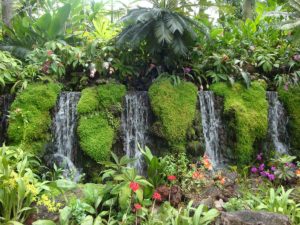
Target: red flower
[
  {"x": 49, "y": 52},
  {"x": 156, "y": 196},
  {"x": 137, "y": 206},
  {"x": 134, "y": 186},
  {"x": 171, "y": 177}
]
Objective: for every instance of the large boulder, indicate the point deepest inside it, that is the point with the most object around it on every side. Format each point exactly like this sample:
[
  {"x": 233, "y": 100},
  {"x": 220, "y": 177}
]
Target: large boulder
[{"x": 248, "y": 217}]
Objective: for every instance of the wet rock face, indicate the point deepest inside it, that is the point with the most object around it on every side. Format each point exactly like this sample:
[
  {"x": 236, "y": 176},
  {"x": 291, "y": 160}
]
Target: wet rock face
[
  {"x": 5, "y": 102},
  {"x": 248, "y": 217}
]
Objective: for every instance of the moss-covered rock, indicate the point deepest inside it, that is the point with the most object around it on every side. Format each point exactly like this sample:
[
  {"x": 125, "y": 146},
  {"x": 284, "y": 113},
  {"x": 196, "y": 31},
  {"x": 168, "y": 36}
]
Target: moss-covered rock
[
  {"x": 96, "y": 136},
  {"x": 175, "y": 108},
  {"x": 30, "y": 119},
  {"x": 291, "y": 101},
  {"x": 248, "y": 113},
  {"x": 99, "y": 109}
]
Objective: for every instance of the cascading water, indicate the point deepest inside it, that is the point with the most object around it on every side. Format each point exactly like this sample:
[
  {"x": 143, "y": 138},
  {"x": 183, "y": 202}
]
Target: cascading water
[
  {"x": 5, "y": 102},
  {"x": 64, "y": 128},
  {"x": 277, "y": 123},
  {"x": 211, "y": 124},
  {"x": 135, "y": 123}
]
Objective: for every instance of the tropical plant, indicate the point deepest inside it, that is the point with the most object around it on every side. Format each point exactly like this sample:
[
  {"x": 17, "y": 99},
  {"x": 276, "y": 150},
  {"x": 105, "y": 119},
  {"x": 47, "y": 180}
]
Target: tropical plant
[
  {"x": 163, "y": 29},
  {"x": 19, "y": 186},
  {"x": 292, "y": 19},
  {"x": 183, "y": 216},
  {"x": 278, "y": 201}
]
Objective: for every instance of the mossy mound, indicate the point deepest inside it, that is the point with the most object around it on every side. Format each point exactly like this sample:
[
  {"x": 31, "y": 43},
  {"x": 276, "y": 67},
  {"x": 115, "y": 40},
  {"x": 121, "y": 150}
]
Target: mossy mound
[
  {"x": 30, "y": 119},
  {"x": 248, "y": 113},
  {"x": 99, "y": 109},
  {"x": 175, "y": 108},
  {"x": 291, "y": 101}
]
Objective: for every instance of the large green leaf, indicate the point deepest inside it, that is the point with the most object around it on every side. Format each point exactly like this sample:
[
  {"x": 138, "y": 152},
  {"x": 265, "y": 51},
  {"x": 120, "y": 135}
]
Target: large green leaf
[{"x": 59, "y": 20}]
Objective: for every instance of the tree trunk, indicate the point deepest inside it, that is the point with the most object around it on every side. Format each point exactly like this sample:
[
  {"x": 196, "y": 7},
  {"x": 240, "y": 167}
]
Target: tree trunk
[
  {"x": 7, "y": 11},
  {"x": 249, "y": 9}
]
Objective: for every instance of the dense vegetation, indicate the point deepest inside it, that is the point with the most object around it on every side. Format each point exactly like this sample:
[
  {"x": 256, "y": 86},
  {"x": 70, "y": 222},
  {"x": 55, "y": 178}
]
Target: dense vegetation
[{"x": 172, "y": 49}]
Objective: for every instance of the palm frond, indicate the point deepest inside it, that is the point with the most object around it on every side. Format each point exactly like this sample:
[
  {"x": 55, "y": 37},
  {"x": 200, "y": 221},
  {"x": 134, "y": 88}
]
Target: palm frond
[{"x": 162, "y": 33}]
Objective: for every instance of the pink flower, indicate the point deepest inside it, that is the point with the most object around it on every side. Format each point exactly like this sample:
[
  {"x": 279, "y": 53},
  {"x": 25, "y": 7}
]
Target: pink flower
[
  {"x": 49, "y": 52},
  {"x": 137, "y": 206},
  {"x": 134, "y": 186},
  {"x": 156, "y": 196},
  {"x": 259, "y": 157},
  {"x": 171, "y": 177},
  {"x": 261, "y": 167},
  {"x": 254, "y": 170},
  {"x": 271, "y": 177}
]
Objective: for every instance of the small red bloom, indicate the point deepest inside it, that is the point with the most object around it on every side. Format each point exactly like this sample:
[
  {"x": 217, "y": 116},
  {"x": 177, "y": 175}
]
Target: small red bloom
[
  {"x": 171, "y": 177},
  {"x": 49, "y": 52},
  {"x": 137, "y": 206},
  {"x": 134, "y": 186},
  {"x": 156, "y": 196}
]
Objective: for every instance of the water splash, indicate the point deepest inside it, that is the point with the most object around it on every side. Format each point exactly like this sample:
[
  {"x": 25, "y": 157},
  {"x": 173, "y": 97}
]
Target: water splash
[
  {"x": 277, "y": 123},
  {"x": 211, "y": 123},
  {"x": 135, "y": 123},
  {"x": 64, "y": 124}
]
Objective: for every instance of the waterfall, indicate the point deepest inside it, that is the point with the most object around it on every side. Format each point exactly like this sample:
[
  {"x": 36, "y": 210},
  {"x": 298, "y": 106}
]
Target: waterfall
[
  {"x": 5, "y": 102},
  {"x": 277, "y": 123},
  {"x": 64, "y": 129},
  {"x": 135, "y": 123},
  {"x": 211, "y": 125}
]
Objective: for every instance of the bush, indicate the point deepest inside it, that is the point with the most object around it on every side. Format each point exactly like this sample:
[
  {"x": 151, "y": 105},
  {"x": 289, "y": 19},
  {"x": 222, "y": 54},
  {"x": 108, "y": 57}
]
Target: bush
[
  {"x": 30, "y": 118},
  {"x": 247, "y": 109},
  {"x": 175, "y": 108}
]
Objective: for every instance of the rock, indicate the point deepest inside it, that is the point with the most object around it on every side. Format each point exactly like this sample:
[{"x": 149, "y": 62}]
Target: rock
[
  {"x": 248, "y": 217},
  {"x": 174, "y": 193},
  {"x": 219, "y": 204},
  {"x": 209, "y": 202}
]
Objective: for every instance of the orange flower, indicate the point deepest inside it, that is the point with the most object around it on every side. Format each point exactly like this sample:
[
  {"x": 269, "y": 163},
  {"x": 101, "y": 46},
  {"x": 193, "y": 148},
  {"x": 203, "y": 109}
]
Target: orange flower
[
  {"x": 197, "y": 176},
  {"x": 206, "y": 162},
  {"x": 222, "y": 180},
  {"x": 297, "y": 172}
]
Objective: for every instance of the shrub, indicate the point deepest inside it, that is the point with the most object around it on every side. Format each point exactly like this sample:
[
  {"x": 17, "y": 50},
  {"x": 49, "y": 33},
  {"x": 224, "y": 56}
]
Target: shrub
[
  {"x": 248, "y": 112},
  {"x": 30, "y": 118},
  {"x": 175, "y": 108}
]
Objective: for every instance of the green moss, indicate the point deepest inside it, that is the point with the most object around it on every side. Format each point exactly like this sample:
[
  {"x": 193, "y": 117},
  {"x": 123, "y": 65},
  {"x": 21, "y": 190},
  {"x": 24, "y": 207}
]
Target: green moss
[
  {"x": 96, "y": 137},
  {"x": 111, "y": 95},
  {"x": 30, "y": 118},
  {"x": 88, "y": 102},
  {"x": 175, "y": 108},
  {"x": 248, "y": 110},
  {"x": 291, "y": 100},
  {"x": 99, "y": 109}
]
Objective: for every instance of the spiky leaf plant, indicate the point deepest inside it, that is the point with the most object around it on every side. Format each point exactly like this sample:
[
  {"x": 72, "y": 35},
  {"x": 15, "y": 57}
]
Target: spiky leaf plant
[{"x": 163, "y": 29}]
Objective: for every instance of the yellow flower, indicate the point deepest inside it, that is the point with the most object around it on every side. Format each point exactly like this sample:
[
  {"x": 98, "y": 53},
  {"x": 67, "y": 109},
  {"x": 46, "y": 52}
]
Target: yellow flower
[{"x": 32, "y": 189}]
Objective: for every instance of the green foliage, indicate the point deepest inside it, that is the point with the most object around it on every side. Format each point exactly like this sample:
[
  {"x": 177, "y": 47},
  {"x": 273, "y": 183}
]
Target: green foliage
[
  {"x": 163, "y": 28},
  {"x": 27, "y": 32},
  {"x": 13, "y": 74},
  {"x": 96, "y": 136},
  {"x": 175, "y": 107},
  {"x": 99, "y": 109},
  {"x": 30, "y": 117},
  {"x": 183, "y": 216},
  {"x": 291, "y": 100},
  {"x": 89, "y": 102},
  {"x": 279, "y": 201},
  {"x": 19, "y": 186},
  {"x": 248, "y": 113}
]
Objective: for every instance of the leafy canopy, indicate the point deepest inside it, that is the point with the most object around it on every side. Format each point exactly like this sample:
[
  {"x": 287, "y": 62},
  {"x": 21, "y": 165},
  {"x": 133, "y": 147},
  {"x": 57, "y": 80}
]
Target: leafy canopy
[{"x": 162, "y": 27}]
